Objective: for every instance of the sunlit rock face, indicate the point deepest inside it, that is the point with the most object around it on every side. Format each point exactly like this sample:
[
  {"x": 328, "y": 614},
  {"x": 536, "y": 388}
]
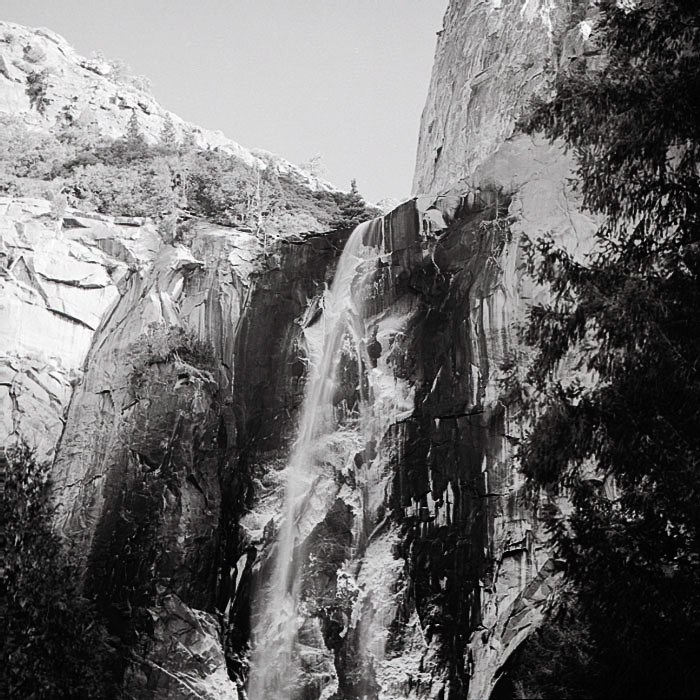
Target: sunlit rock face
[
  {"x": 492, "y": 56},
  {"x": 58, "y": 277},
  {"x": 136, "y": 479}
]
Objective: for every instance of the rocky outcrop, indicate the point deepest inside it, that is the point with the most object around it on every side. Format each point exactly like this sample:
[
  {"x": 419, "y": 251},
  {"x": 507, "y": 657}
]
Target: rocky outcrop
[
  {"x": 64, "y": 281},
  {"x": 58, "y": 277},
  {"x": 492, "y": 57},
  {"x": 181, "y": 658},
  {"x": 102, "y": 92}
]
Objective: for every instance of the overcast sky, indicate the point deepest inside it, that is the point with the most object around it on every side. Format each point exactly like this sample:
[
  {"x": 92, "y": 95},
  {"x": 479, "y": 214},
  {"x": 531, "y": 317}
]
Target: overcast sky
[{"x": 343, "y": 78}]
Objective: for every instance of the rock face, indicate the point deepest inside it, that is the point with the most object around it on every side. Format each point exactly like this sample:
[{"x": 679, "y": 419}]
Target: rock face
[
  {"x": 422, "y": 563},
  {"x": 150, "y": 480},
  {"x": 126, "y": 350},
  {"x": 423, "y": 559},
  {"x": 182, "y": 658},
  {"x": 445, "y": 569},
  {"x": 57, "y": 280},
  {"x": 492, "y": 56}
]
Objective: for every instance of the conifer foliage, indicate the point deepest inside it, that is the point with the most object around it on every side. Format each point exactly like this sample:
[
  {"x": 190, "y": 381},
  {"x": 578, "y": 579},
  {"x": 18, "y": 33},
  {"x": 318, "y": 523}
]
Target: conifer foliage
[
  {"x": 166, "y": 181},
  {"x": 632, "y": 310},
  {"x": 55, "y": 646},
  {"x": 353, "y": 209}
]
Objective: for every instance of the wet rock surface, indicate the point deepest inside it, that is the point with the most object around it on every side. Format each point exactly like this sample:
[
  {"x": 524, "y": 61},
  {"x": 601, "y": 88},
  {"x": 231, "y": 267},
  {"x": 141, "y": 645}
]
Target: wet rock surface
[
  {"x": 448, "y": 569},
  {"x": 435, "y": 584}
]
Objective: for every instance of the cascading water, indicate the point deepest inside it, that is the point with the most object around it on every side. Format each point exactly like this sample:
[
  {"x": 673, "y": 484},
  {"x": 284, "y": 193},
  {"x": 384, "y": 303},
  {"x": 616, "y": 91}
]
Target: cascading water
[{"x": 275, "y": 665}]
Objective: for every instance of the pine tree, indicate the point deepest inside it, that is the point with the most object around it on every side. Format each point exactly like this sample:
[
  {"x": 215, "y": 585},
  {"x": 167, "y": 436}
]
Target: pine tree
[
  {"x": 133, "y": 129},
  {"x": 353, "y": 209},
  {"x": 135, "y": 144},
  {"x": 633, "y": 312},
  {"x": 168, "y": 135}
]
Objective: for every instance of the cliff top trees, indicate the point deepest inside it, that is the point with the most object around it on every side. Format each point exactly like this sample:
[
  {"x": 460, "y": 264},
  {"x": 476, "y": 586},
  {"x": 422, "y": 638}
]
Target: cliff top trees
[
  {"x": 135, "y": 145},
  {"x": 353, "y": 209},
  {"x": 128, "y": 177},
  {"x": 634, "y": 311}
]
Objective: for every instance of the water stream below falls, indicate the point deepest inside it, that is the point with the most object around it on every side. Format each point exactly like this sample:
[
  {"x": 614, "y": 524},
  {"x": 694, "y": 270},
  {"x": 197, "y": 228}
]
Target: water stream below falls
[{"x": 330, "y": 433}]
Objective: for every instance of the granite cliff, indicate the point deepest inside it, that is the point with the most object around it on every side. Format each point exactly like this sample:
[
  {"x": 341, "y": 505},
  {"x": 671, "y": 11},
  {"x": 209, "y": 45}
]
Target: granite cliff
[
  {"x": 165, "y": 378},
  {"x": 75, "y": 87}
]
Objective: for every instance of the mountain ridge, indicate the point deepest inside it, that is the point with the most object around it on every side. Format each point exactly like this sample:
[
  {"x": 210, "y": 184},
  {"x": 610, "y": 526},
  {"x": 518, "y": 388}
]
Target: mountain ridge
[{"x": 76, "y": 84}]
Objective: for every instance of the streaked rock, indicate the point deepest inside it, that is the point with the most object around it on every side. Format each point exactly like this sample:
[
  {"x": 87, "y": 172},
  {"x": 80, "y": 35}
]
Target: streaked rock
[{"x": 181, "y": 659}]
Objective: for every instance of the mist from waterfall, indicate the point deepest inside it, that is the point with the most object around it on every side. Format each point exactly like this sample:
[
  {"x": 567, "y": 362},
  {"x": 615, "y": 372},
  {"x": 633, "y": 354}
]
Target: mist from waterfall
[{"x": 275, "y": 665}]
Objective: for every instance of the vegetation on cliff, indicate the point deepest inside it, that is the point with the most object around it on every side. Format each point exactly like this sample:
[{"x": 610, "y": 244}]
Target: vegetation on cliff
[
  {"x": 626, "y": 450},
  {"x": 55, "y": 646},
  {"x": 160, "y": 344},
  {"x": 166, "y": 181}
]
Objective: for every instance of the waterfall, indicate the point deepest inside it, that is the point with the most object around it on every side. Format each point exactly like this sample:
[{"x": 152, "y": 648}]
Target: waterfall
[{"x": 275, "y": 665}]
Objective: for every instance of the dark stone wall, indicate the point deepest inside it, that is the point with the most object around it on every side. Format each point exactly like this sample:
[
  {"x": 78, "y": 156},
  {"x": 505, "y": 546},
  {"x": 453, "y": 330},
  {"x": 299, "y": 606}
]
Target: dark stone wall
[
  {"x": 269, "y": 373},
  {"x": 452, "y": 438}
]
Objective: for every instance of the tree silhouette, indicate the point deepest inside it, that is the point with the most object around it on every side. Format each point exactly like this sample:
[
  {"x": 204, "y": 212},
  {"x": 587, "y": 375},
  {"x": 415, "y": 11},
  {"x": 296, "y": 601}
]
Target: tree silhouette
[
  {"x": 54, "y": 643},
  {"x": 626, "y": 451}
]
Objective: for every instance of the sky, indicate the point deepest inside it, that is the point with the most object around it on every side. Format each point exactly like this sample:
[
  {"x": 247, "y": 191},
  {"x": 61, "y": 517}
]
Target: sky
[{"x": 346, "y": 79}]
